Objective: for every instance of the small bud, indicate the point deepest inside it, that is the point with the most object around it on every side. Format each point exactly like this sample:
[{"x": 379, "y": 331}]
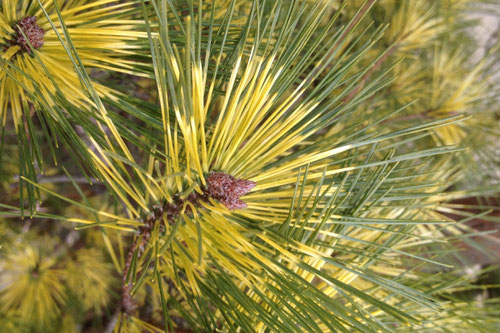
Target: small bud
[
  {"x": 32, "y": 31},
  {"x": 227, "y": 189}
]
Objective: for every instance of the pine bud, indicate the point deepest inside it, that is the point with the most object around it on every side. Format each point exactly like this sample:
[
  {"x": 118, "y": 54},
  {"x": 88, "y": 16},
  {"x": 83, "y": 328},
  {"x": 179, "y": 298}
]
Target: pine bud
[
  {"x": 32, "y": 31},
  {"x": 227, "y": 189}
]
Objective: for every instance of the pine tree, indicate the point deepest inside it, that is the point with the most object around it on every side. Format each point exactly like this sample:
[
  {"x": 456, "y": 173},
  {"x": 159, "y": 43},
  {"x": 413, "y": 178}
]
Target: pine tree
[{"x": 246, "y": 166}]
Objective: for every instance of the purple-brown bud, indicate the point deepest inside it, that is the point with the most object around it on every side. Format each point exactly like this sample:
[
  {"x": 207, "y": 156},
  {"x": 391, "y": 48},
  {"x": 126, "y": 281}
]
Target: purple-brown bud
[
  {"x": 227, "y": 189},
  {"x": 32, "y": 31}
]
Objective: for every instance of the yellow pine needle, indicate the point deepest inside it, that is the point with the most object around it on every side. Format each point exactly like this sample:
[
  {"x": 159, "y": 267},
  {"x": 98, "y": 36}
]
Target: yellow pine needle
[
  {"x": 31, "y": 285},
  {"x": 414, "y": 25},
  {"x": 254, "y": 128},
  {"x": 103, "y": 43}
]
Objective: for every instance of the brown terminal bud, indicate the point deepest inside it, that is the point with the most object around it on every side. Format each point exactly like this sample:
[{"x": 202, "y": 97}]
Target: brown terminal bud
[
  {"x": 227, "y": 189},
  {"x": 32, "y": 31}
]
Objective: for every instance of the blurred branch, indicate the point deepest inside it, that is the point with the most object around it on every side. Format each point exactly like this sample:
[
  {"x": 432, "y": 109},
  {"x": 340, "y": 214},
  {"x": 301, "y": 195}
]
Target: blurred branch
[{"x": 61, "y": 180}]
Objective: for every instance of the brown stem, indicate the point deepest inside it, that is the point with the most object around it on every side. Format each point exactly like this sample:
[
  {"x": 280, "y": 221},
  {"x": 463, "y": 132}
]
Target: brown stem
[
  {"x": 356, "y": 19},
  {"x": 127, "y": 303},
  {"x": 368, "y": 74},
  {"x": 220, "y": 186},
  {"x": 139, "y": 244}
]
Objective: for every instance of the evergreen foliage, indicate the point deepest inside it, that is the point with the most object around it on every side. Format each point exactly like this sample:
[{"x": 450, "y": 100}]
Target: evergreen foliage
[{"x": 246, "y": 165}]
